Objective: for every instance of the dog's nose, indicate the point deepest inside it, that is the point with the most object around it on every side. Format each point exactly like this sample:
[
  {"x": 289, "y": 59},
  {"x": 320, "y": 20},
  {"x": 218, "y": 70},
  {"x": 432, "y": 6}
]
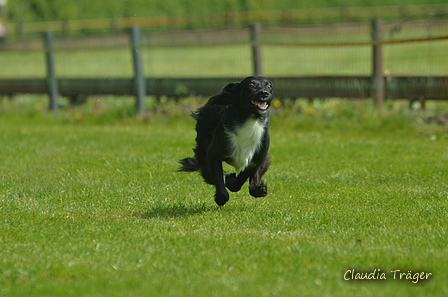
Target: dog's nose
[{"x": 265, "y": 93}]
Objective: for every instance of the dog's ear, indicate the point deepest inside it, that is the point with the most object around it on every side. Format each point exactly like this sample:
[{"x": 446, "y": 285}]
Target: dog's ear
[
  {"x": 227, "y": 95},
  {"x": 231, "y": 89}
]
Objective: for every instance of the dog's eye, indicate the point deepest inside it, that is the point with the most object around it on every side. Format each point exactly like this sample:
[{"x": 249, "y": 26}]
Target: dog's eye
[
  {"x": 269, "y": 87},
  {"x": 251, "y": 86}
]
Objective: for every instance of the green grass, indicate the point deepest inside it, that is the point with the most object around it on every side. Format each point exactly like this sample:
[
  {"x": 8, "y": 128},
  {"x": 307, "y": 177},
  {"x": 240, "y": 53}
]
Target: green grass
[{"x": 91, "y": 205}]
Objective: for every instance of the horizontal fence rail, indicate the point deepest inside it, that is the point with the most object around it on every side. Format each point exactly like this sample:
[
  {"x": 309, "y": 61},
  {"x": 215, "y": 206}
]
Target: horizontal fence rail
[{"x": 413, "y": 87}]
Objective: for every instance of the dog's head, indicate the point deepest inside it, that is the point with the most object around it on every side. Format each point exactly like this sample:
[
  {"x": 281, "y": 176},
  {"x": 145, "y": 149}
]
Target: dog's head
[{"x": 254, "y": 93}]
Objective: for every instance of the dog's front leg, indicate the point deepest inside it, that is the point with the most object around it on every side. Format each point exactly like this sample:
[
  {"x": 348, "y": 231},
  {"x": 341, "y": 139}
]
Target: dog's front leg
[
  {"x": 234, "y": 182},
  {"x": 258, "y": 187},
  {"x": 221, "y": 195}
]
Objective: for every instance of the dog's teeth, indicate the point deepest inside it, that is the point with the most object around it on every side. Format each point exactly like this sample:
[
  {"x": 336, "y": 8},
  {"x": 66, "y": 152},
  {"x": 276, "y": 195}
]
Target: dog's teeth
[{"x": 263, "y": 105}]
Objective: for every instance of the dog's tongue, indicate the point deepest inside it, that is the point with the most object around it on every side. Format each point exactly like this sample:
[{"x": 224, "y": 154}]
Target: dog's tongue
[{"x": 261, "y": 104}]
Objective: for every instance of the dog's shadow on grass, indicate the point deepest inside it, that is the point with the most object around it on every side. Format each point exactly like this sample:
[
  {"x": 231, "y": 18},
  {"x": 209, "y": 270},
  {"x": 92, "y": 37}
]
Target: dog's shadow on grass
[{"x": 173, "y": 211}]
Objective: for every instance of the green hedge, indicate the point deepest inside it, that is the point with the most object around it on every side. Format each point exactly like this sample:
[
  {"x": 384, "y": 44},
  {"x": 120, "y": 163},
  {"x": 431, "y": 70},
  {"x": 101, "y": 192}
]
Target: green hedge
[{"x": 49, "y": 10}]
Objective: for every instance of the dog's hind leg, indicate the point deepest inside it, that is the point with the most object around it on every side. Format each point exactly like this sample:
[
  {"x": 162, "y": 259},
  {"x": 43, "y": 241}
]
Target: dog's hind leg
[{"x": 258, "y": 187}]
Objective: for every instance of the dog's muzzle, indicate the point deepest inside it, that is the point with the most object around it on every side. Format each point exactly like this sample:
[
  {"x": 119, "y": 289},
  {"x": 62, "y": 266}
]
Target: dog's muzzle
[
  {"x": 262, "y": 105},
  {"x": 264, "y": 102}
]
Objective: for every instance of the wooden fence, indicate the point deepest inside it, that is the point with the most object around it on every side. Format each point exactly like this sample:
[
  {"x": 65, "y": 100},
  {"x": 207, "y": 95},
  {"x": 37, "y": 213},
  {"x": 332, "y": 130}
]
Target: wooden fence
[{"x": 374, "y": 86}]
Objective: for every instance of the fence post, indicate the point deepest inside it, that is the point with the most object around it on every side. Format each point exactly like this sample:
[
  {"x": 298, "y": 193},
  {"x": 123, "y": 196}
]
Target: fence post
[
  {"x": 256, "y": 49},
  {"x": 114, "y": 25},
  {"x": 139, "y": 78},
  {"x": 377, "y": 74},
  {"x": 52, "y": 83},
  {"x": 19, "y": 30}
]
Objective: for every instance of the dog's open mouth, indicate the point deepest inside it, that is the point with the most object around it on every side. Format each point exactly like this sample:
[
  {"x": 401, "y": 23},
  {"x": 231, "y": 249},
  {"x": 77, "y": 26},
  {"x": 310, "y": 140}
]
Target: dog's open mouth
[{"x": 262, "y": 105}]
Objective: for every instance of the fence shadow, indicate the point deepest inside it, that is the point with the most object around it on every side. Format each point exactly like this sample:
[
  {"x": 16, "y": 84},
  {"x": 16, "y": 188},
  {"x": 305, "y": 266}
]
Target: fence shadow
[{"x": 172, "y": 211}]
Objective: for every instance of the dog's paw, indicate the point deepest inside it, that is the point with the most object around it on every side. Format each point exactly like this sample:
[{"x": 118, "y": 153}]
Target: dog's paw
[
  {"x": 221, "y": 198},
  {"x": 230, "y": 181},
  {"x": 260, "y": 190}
]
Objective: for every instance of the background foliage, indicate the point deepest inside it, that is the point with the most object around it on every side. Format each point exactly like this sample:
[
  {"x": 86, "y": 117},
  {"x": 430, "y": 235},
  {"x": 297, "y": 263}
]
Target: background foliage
[{"x": 48, "y": 10}]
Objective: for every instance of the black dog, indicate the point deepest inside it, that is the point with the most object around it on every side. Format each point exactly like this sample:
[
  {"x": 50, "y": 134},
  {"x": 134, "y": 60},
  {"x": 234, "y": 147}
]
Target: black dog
[{"x": 233, "y": 127}]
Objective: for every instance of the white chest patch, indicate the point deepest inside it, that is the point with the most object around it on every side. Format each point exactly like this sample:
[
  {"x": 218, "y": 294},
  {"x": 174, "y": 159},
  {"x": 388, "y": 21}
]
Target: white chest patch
[{"x": 245, "y": 142}]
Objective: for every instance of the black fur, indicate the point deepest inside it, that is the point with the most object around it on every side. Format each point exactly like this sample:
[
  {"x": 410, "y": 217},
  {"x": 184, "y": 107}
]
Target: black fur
[{"x": 219, "y": 122}]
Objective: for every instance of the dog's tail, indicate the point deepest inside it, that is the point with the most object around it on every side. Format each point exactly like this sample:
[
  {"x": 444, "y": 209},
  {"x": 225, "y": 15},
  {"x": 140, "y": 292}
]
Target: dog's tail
[{"x": 189, "y": 165}]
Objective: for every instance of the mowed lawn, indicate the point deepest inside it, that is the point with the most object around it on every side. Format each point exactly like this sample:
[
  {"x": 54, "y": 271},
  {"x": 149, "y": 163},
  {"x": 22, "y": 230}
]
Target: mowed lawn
[{"x": 97, "y": 209}]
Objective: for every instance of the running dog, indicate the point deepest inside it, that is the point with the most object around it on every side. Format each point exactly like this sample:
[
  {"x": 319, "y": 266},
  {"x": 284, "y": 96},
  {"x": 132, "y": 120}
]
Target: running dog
[{"x": 232, "y": 127}]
